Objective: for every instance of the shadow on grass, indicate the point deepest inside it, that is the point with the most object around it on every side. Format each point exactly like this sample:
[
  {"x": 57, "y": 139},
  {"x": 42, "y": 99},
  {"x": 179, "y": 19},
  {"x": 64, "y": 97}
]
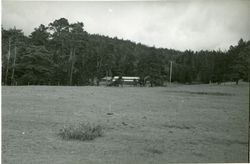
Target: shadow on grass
[
  {"x": 204, "y": 93},
  {"x": 154, "y": 151},
  {"x": 177, "y": 126}
]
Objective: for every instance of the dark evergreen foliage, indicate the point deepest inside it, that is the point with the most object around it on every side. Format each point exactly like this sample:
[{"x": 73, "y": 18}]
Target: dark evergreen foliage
[{"x": 65, "y": 54}]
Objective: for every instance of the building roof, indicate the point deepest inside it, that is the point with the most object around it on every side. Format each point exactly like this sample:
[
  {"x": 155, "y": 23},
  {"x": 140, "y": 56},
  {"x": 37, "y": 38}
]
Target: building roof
[{"x": 128, "y": 77}]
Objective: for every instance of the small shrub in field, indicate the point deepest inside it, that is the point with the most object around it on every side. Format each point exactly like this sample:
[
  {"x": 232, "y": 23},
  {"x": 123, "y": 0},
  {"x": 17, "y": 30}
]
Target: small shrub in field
[
  {"x": 81, "y": 132},
  {"x": 154, "y": 151}
]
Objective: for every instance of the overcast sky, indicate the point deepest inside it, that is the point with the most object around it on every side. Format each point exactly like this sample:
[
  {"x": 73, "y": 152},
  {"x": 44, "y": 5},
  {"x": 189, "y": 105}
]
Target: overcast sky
[{"x": 173, "y": 24}]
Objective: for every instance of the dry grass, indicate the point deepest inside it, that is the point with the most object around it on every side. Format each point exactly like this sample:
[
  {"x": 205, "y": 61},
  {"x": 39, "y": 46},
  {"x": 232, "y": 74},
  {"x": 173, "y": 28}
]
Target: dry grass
[{"x": 148, "y": 125}]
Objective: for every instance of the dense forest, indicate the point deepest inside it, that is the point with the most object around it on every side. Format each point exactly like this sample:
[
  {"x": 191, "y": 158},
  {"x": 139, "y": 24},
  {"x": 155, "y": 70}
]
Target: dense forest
[{"x": 65, "y": 54}]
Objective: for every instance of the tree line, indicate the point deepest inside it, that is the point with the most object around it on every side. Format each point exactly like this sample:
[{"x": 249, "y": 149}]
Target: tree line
[{"x": 65, "y": 54}]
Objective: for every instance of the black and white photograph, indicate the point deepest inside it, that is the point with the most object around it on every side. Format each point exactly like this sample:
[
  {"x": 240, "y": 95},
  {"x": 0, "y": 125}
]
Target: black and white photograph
[{"x": 154, "y": 81}]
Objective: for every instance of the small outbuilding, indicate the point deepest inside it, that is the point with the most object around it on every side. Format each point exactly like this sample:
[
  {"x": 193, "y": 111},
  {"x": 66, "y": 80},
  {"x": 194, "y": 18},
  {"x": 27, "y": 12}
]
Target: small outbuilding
[{"x": 122, "y": 80}]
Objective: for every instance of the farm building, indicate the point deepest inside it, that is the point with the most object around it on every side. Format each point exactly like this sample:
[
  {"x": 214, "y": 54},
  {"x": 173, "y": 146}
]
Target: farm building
[
  {"x": 126, "y": 78},
  {"x": 123, "y": 80}
]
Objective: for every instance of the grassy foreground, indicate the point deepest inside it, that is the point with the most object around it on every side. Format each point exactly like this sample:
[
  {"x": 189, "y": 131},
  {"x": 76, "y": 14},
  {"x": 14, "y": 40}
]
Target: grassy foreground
[{"x": 182, "y": 123}]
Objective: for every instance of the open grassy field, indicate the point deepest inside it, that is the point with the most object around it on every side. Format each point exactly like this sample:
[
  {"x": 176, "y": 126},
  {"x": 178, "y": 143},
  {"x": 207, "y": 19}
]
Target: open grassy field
[{"x": 181, "y": 123}]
